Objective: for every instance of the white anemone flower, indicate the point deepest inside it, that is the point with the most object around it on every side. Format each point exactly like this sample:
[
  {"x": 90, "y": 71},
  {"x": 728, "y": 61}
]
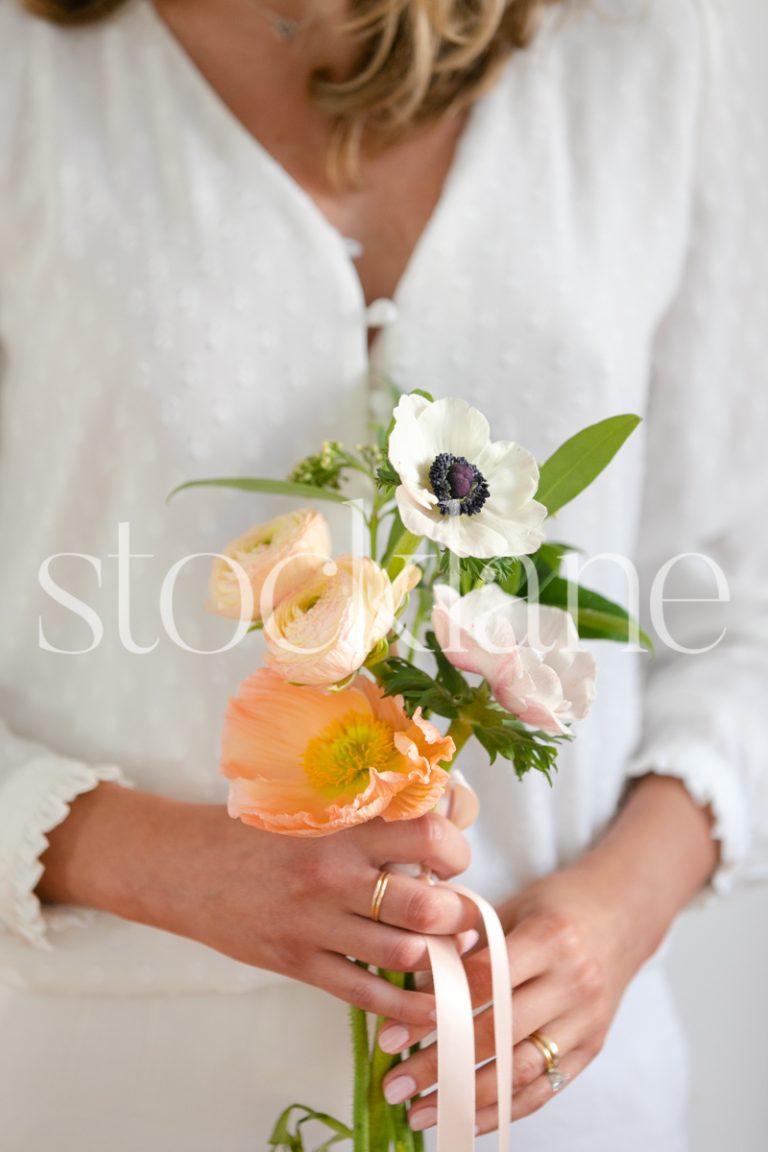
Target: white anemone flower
[{"x": 460, "y": 488}]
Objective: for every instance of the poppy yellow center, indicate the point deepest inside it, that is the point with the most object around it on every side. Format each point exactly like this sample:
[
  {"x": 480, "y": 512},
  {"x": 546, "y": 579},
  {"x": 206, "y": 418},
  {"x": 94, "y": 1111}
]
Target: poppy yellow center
[{"x": 339, "y": 759}]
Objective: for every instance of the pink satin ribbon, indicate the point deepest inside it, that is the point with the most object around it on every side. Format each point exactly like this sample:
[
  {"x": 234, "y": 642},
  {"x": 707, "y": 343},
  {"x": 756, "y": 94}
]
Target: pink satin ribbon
[
  {"x": 455, "y": 1034},
  {"x": 455, "y": 1021}
]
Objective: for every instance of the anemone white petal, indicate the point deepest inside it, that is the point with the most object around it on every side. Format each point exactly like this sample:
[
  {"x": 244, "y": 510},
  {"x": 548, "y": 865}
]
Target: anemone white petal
[
  {"x": 511, "y": 471},
  {"x": 409, "y": 450},
  {"x": 452, "y": 425},
  {"x": 519, "y": 535}
]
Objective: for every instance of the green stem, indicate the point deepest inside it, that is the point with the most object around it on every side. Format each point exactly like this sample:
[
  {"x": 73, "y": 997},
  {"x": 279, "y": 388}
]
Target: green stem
[
  {"x": 373, "y": 531},
  {"x": 406, "y": 545},
  {"x": 460, "y": 731},
  {"x": 384, "y": 1118},
  {"x": 380, "y": 1111},
  {"x": 361, "y": 1139},
  {"x": 422, "y": 614}
]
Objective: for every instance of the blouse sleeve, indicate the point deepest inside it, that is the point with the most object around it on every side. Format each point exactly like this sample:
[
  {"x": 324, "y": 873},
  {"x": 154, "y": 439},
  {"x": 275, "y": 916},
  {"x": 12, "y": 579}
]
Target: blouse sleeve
[
  {"x": 37, "y": 787},
  {"x": 37, "y": 783},
  {"x": 706, "y": 491}
]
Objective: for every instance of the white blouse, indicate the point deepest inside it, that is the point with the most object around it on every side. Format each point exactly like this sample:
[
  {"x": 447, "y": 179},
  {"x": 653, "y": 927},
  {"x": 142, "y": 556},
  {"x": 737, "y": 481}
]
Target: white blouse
[{"x": 173, "y": 305}]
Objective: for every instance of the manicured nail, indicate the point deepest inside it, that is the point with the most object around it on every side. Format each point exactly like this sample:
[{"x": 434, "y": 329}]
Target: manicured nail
[
  {"x": 394, "y": 1038},
  {"x": 468, "y": 940},
  {"x": 400, "y": 1089},
  {"x": 423, "y": 1119},
  {"x": 433, "y": 1016}
]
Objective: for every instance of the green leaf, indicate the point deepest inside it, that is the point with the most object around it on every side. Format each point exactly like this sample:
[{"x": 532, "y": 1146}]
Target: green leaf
[
  {"x": 593, "y": 625},
  {"x": 270, "y": 487},
  {"x": 575, "y": 464},
  {"x": 526, "y": 750},
  {"x": 283, "y": 1138},
  {"x": 450, "y": 676},
  {"x": 506, "y": 571},
  {"x": 548, "y": 557},
  {"x": 387, "y": 479},
  {"x": 596, "y": 617},
  {"x": 400, "y": 678}
]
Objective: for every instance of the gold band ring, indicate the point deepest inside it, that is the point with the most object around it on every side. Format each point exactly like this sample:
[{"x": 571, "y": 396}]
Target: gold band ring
[
  {"x": 551, "y": 1053},
  {"x": 548, "y": 1048},
  {"x": 378, "y": 895}
]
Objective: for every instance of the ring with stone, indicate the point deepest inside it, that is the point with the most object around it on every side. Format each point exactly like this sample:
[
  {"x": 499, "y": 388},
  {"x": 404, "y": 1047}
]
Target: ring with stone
[{"x": 551, "y": 1053}]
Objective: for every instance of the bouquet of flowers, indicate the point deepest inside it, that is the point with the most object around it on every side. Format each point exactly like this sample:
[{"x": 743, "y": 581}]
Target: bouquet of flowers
[{"x": 345, "y": 723}]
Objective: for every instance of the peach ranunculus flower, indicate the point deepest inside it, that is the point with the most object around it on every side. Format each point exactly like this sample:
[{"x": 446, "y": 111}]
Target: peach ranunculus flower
[
  {"x": 307, "y": 762},
  {"x": 275, "y": 558},
  {"x": 528, "y": 653},
  {"x": 324, "y": 632}
]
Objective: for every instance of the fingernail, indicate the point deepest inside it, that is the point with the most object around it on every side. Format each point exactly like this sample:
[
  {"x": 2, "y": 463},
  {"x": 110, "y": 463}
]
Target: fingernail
[
  {"x": 433, "y": 1016},
  {"x": 469, "y": 939},
  {"x": 423, "y": 1119},
  {"x": 399, "y": 1089},
  {"x": 394, "y": 1038}
]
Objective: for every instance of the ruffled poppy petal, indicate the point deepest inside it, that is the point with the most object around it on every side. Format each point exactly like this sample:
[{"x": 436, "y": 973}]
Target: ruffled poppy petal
[
  {"x": 270, "y": 722},
  {"x": 279, "y": 784}
]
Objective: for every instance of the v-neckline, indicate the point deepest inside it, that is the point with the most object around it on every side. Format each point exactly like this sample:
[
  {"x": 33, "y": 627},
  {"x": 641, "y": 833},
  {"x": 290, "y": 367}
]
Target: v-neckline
[{"x": 247, "y": 141}]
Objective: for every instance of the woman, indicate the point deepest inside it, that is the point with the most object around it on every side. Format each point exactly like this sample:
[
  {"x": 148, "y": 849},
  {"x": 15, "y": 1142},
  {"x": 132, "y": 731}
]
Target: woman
[{"x": 223, "y": 224}]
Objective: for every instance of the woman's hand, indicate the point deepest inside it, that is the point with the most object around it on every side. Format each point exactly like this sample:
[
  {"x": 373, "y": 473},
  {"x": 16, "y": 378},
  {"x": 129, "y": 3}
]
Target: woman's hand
[
  {"x": 571, "y": 958},
  {"x": 296, "y": 906},
  {"x": 575, "y": 940}
]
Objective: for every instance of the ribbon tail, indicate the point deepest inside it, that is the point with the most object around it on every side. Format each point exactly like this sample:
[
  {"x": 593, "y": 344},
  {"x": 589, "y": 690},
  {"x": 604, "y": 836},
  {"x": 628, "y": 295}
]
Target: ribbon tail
[
  {"x": 455, "y": 1048},
  {"x": 502, "y": 1012}
]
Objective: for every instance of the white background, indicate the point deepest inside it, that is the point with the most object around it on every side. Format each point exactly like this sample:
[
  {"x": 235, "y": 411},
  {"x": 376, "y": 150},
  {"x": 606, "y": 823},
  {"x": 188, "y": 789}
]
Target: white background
[{"x": 719, "y": 955}]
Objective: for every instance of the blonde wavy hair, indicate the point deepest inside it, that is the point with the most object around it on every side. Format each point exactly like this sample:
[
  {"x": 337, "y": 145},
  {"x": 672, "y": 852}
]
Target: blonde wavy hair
[{"x": 419, "y": 59}]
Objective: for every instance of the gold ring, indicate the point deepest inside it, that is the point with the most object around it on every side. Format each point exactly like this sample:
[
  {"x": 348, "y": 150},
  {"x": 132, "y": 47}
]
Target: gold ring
[
  {"x": 547, "y": 1047},
  {"x": 551, "y": 1053},
  {"x": 378, "y": 895}
]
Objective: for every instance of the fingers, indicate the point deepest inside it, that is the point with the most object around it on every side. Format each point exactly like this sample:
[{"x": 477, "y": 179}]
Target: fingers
[
  {"x": 415, "y": 905},
  {"x": 528, "y": 1064},
  {"x": 532, "y": 1088},
  {"x": 528, "y": 959},
  {"x": 536, "y": 1005},
  {"x": 535, "y": 1096},
  {"x": 430, "y": 840},
  {"x": 356, "y": 986},
  {"x": 384, "y": 947}
]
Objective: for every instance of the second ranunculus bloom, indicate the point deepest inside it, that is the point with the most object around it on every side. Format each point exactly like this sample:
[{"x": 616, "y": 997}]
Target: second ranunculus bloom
[
  {"x": 273, "y": 560},
  {"x": 324, "y": 631}
]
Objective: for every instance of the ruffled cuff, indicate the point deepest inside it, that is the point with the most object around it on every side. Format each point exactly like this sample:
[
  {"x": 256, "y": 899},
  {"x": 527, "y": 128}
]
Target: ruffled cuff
[
  {"x": 34, "y": 800},
  {"x": 712, "y": 782}
]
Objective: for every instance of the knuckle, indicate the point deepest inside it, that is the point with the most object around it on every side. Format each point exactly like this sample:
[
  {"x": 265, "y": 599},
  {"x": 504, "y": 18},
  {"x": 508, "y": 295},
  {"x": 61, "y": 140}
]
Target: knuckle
[
  {"x": 563, "y": 936},
  {"x": 290, "y": 956},
  {"x": 528, "y": 1067},
  {"x": 312, "y": 874},
  {"x": 406, "y": 954},
  {"x": 362, "y": 994},
  {"x": 432, "y": 829},
  {"x": 594, "y": 1046},
  {"x": 590, "y": 978},
  {"x": 422, "y": 911}
]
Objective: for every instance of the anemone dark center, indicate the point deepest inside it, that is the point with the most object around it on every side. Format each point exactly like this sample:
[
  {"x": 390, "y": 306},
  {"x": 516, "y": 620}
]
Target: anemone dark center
[{"x": 461, "y": 489}]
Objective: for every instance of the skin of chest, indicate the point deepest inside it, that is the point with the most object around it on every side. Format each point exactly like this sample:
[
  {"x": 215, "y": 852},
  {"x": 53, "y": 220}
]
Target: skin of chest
[{"x": 263, "y": 83}]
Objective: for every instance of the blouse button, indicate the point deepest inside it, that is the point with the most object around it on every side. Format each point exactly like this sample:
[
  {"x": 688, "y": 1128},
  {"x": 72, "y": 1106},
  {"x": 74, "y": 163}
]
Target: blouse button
[
  {"x": 353, "y": 247},
  {"x": 381, "y": 313}
]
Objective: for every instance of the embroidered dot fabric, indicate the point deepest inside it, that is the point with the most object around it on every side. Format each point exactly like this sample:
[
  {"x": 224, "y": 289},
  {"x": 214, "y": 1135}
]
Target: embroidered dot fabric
[{"x": 173, "y": 305}]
